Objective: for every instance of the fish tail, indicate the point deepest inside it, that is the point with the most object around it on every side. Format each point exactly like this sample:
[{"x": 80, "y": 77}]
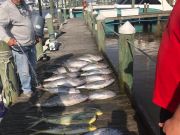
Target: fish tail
[
  {"x": 36, "y": 123},
  {"x": 92, "y": 120}
]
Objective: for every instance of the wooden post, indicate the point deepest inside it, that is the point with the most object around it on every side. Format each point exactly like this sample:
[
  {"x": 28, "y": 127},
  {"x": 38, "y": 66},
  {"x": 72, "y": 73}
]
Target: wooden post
[
  {"x": 59, "y": 16},
  {"x": 94, "y": 23},
  {"x": 49, "y": 20},
  {"x": 39, "y": 50},
  {"x": 133, "y": 3},
  {"x": 126, "y": 57},
  {"x": 145, "y": 8},
  {"x": 64, "y": 10},
  {"x": 85, "y": 16},
  {"x": 8, "y": 75},
  {"x": 100, "y": 33},
  {"x": 89, "y": 12},
  {"x": 158, "y": 33},
  {"x": 51, "y": 2},
  {"x": 71, "y": 13}
]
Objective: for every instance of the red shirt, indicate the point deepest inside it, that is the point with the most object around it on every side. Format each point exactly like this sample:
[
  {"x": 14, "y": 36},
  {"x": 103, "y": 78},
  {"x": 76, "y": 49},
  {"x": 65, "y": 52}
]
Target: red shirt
[{"x": 167, "y": 81}]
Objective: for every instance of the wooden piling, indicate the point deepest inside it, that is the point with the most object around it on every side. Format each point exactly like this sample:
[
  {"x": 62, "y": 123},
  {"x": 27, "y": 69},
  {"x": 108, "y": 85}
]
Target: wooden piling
[
  {"x": 126, "y": 39},
  {"x": 8, "y": 75},
  {"x": 51, "y": 3},
  {"x": 158, "y": 27},
  {"x": 39, "y": 50},
  {"x": 100, "y": 34},
  {"x": 94, "y": 23},
  {"x": 49, "y": 21}
]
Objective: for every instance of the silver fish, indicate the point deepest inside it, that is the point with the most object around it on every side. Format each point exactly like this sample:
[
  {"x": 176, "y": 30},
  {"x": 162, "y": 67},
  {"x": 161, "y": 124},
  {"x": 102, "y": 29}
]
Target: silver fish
[
  {"x": 97, "y": 77},
  {"x": 102, "y": 94},
  {"x": 76, "y": 63},
  {"x": 97, "y": 71},
  {"x": 106, "y": 131},
  {"x": 69, "y": 82},
  {"x": 94, "y": 66},
  {"x": 61, "y": 89},
  {"x": 97, "y": 84},
  {"x": 63, "y": 100},
  {"x": 68, "y": 130},
  {"x": 66, "y": 70},
  {"x": 90, "y": 57},
  {"x": 63, "y": 75}
]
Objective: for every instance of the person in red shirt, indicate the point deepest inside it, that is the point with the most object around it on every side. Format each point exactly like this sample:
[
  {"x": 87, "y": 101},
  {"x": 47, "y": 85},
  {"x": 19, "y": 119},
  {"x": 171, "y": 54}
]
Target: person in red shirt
[
  {"x": 167, "y": 79},
  {"x": 172, "y": 125}
]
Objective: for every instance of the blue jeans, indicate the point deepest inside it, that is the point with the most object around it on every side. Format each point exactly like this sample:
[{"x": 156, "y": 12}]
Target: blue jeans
[{"x": 23, "y": 68}]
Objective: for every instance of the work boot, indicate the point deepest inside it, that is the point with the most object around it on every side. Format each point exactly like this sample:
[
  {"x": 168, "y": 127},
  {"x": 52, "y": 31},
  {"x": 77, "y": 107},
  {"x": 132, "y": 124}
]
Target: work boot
[{"x": 24, "y": 97}]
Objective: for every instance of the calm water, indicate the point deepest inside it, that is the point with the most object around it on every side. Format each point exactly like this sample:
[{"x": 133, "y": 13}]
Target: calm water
[{"x": 144, "y": 71}]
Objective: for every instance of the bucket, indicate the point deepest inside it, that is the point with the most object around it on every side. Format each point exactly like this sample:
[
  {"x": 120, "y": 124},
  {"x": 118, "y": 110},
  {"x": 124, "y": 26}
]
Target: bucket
[{"x": 38, "y": 24}]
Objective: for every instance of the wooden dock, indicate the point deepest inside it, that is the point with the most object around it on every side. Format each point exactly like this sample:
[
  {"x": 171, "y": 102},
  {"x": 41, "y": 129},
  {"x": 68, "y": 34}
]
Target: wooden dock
[{"x": 76, "y": 40}]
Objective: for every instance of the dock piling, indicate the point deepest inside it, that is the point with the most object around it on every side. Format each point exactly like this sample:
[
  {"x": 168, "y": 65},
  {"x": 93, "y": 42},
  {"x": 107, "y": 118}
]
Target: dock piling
[
  {"x": 100, "y": 33},
  {"x": 51, "y": 3},
  {"x": 126, "y": 56},
  {"x": 8, "y": 75}
]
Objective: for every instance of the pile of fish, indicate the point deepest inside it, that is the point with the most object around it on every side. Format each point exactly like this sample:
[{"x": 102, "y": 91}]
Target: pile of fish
[
  {"x": 83, "y": 73},
  {"x": 86, "y": 72}
]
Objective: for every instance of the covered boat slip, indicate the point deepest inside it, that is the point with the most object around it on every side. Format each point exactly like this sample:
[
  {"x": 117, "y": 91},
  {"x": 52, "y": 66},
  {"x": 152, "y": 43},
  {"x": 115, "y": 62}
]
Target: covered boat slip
[{"x": 117, "y": 112}]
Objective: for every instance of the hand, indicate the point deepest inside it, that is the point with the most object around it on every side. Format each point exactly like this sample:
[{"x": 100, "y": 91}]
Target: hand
[
  {"x": 171, "y": 126},
  {"x": 12, "y": 42},
  {"x": 38, "y": 39}
]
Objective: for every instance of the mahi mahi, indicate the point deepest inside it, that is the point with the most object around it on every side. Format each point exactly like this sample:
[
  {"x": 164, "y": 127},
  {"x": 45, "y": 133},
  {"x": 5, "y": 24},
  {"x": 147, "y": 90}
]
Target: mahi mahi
[
  {"x": 97, "y": 111},
  {"x": 68, "y": 130},
  {"x": 69, "y": 119},
  {"x": 63, "y": 100},
  {"x": 107, "y": 131}
]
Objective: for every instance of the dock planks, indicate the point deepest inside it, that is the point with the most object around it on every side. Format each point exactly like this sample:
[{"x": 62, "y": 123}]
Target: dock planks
[{"x": 76, "y": 40}]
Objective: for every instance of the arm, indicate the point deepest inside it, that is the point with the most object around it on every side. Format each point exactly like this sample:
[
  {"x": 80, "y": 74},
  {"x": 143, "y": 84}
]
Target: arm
[
  {"x": 4, "y": 22},
  {"x": 172, "y": 125}
]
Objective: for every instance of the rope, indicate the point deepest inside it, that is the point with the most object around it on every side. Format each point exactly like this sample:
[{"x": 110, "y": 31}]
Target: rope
[
  {"x": 141, "y": 51},
  {"x": 104, "y": 26}
]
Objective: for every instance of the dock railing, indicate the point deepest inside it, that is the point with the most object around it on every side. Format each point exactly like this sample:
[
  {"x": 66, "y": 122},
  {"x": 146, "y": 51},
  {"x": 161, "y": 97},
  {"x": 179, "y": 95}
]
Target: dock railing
[{"x": 98, "y": 27}]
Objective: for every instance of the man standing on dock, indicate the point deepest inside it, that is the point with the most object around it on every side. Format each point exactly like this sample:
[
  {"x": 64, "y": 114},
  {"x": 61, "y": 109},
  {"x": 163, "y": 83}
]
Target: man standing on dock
[
  {"x": 167, "y": 81},
  {"x": 16, "y": 28}
]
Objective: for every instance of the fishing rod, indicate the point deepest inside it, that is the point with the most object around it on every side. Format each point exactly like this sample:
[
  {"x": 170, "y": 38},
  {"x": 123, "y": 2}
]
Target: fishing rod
[{"x": 31, "y": 67}]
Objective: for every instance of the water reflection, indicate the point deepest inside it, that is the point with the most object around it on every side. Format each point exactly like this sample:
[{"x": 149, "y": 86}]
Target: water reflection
[{"x": 144, "y": 71}]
